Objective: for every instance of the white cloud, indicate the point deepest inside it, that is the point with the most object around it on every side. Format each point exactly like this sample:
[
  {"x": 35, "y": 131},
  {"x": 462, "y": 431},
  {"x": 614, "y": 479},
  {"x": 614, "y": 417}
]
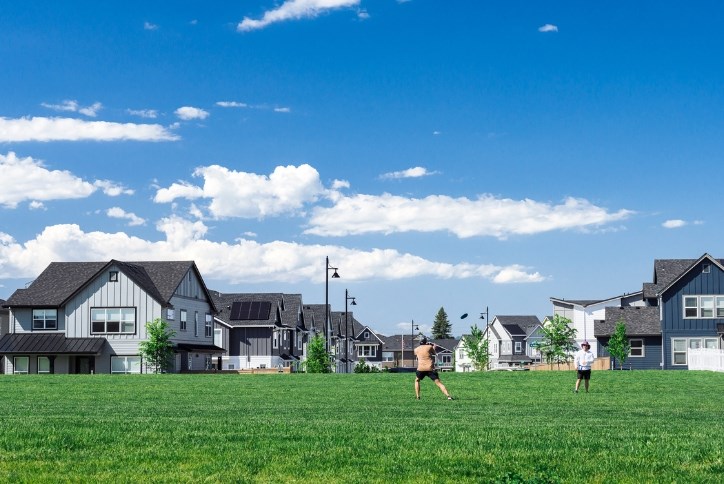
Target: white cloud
[
  {"x": 185, "y": 240},
  {"x": 485, "y": 216},
  {"x": 294, "y": 10},
  {"x": 73, "y": 106},
  {"x": 144, "y": 113},
  {"x": 415, "y": 172},
  {"x": 516, "y": 274},
  {"x": 248, "y": 195},
  {"x": 282, "y": 110},
  {"x": 548, "y": 28},
  {"x": 69, "y": 129},
  {"x": 231, "y": 104},
  {"x": 362, "y": 14},
  {"x": 36, "y": 205},
  {"x": 112, "y": 189},
  {"x": 436, "y": 133},
  {"x": 187, "y": 113},
  {"x": 149, "y": 26},
  {"x": 674, "y": 224},
  {"x": 133, "y": 219}
]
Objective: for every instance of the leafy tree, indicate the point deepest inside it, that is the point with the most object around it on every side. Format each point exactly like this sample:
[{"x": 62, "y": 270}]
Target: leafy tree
[
  {"x": 558, "y": 341},
  {"x": 158, "y": 349},
  {"x": 363, "y": 367},
  {"x": 441, "y": 328},
  {"x": 476, "y": 346},
  {"x": 618, "y": 345},
  {"x": 318, "y": 359}
]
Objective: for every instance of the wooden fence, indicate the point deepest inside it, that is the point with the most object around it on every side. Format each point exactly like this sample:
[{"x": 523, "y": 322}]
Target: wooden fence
[{"x": 601, "y": 363}]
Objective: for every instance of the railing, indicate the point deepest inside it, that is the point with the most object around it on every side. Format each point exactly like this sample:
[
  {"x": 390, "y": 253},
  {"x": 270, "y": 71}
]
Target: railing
[{"x": 706, "y": 359}]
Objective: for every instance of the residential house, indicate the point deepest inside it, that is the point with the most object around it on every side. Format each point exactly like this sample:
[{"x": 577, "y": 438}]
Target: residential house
[
  {"x": 585, "y": 313},
  {"x": 508, "y": 337},
  {"x": 643, "y": 330},
  {"x": 260, "y": 330},
  {"x": 90, "y": 317},
  {"x": 4, "y": 328},
  {"x": 445, "y": 353},
  {"x": 369, "y": 347},
  {"x": 344, "y": 327},
  {"x": 398, "y": 350}
]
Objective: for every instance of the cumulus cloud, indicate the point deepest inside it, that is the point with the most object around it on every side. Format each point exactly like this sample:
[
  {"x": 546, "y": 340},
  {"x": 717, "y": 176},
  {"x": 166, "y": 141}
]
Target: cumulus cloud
[
  {"x": 548, "y": 28},
  {"x": 294, "y": 10},
  {"x": 674, "y": 224},
  {"x": 485, "y": 216},
  {"x": 415, "y": 172},
  {"x": 73, "y": 106},
  {"x": 231, "y": 104},
  {"x": 248, "y": 195},
  {"x": 70, "y": 129},
  {"x": 188, "y": 113},
  {"x": 133, "y": 219},
  {"x": 143, "y": 113},
  {"x": 149, "y": 26},
  {"x": 185, "y": 240},
  {"x": 27, "y": 179},
  {"x": 516, "y": 274},
  {"x": 282, "y": 110}
]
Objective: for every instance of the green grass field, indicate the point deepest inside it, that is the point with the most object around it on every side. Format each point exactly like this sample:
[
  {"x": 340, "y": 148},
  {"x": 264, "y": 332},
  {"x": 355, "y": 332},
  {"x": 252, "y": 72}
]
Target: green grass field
[{"x": 634, "y": 426}]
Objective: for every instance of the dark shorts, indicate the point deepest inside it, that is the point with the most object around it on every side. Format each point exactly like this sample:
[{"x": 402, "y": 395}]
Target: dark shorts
[
  {"x": 584, "y": 374},
  {"x": 431, "y": 374}
]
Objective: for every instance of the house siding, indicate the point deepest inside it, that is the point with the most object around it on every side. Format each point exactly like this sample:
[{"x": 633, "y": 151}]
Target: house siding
[
  {"x": 251, "y": 342},
  {"x": 650, "y": 361}
]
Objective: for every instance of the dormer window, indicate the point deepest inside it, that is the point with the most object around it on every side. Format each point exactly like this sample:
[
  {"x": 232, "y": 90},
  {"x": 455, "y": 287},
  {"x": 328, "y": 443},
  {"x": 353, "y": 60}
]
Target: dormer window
[
  {"x": 706, "y": 268},
  {"x": 113, "y": 276}
]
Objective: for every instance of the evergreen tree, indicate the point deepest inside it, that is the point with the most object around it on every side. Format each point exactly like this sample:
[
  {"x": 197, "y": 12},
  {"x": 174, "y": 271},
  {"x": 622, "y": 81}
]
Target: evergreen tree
[
  {"x": 618, "y": 345},
  {"x": 158, "y": 350},
  {"x": 558, "y": 341},
  {"x": 318, "y": 359},
  {"x": 441, "y": 328},
  {"x": 476, "y": 346}
]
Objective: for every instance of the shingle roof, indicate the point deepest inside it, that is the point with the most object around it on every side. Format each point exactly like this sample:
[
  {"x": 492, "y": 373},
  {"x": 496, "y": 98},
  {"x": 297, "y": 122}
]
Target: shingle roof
[
  {"x": 314, "y": 317},
  {"x": 665, "y": 272},
  {"x": 292, "y": 309},
  {"x": 51, "y": 344},
  {"x": 519, "y": 325},
  {"x": 225, "y": 301},
  {"x": 639, "y": 320},
  {"x": 447, "y": 343},
  {"x": 395, "y": 341}
]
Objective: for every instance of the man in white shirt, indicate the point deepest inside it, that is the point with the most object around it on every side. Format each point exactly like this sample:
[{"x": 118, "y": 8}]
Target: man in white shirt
[{"x": 583, "y": 361}]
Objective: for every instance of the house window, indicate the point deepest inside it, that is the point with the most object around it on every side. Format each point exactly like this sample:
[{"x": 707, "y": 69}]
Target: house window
[
  {"x": 388, "y": 356},
  {"x": 461, "y": 354},
  {"x": 275, "y": 341},
  {"x": 218, "y": 338},
  {"x": 706, "y": 304},
  {"x": 679, "y": 347},
  {"x": 170, "y": 314},
  {"x": 446, "y": 360},
  {"x": 299, "y": 340},
  {"x": 43, "y": 364},
  {"x": 125, "y": 364},
  {"x": 518, "y": 347},
  {"x": 720, "y": 306},
  {"x": 113, "y": 320},
  {"x": 367, "y": 351},
  {"x": 711, "y": 343},
  {"x": 113, "y": 276},
  {"x": 182, "y": 322},
  {"x": 21, "y": 364},
  {"x": 637, "y": 348},
  {"x": 706, "y": 268},
  {"x": 367, "y": 335},
  {"x": 196, "y": 323},
  {"x": 691, "y": 307},
  {"x": 45, "y": 319},
  {"x": 208, "y": 329}
]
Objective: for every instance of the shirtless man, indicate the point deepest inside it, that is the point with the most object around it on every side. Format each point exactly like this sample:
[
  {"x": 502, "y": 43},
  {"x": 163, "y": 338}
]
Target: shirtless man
[{"x": 425, "y": 354}]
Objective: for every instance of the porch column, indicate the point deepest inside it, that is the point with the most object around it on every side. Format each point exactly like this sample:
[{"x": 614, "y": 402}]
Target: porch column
[{"x": 52, "y": 363}]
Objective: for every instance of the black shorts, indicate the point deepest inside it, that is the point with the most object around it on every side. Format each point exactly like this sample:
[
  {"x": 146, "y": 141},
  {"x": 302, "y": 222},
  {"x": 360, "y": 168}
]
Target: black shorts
[
  {"x": 584, "y": 374},
  {"x": 431, "y": 374}
]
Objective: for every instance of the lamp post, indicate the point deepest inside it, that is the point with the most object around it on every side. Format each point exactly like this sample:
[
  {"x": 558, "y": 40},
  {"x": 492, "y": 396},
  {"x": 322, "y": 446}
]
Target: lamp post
[
  {"x": 486, "y": 316},
  {"x": 326, "y": 299},
  {"x": 347, "y": 297},
  {"x": 413, "y": 327}
]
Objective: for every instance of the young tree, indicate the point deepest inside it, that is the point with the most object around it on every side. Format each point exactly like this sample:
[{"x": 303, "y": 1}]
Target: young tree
[
  {"x": 318, "y": 359},
  {"x": 441, "y": 328},
  {"x": 158, "y": 349},
  {"x": 476, "y": 346},
  {"x": 618, "y": 345},
  {"x": 558, "y": 341}
]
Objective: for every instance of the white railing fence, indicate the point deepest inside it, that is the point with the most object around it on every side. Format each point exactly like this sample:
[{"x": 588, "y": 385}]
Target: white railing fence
[{"x": 706, "y": 359}]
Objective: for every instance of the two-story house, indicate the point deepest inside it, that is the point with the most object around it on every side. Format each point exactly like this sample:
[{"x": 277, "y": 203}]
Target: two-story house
[
  {"x": 4, "y": 328},
  {"x": 90, "y": 317},
  {"x": 508, "y": 339}
]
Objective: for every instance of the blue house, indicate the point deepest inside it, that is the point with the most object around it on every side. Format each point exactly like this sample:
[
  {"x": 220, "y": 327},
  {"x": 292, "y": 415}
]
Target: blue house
[{"x": 684, "y": 309}]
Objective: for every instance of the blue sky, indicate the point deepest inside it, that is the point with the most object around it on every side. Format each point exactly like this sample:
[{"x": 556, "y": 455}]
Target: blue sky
[{"x": 442, "y": 154}]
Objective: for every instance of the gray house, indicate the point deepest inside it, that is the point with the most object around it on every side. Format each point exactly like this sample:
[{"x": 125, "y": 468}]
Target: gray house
[
  {"x": 4, "y": 327},
  {"x": 90, "y": 317}
]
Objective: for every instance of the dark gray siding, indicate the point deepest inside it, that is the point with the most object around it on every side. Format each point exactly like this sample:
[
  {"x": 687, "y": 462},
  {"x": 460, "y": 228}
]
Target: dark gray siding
[
  {"x": 251, "y": 341},
  {"x": 652, "y": 353}
]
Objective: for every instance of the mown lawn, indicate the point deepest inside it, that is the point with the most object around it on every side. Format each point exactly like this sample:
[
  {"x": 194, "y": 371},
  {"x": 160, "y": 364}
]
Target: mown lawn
[{"x": 634, "y": 426}]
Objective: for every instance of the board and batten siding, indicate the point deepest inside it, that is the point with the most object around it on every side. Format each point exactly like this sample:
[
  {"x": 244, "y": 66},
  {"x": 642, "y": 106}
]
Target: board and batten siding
[
  {"x": 254, "y": 341},
  {"x": 192, "y": 306},
  {"x": 652, "y": 353}
]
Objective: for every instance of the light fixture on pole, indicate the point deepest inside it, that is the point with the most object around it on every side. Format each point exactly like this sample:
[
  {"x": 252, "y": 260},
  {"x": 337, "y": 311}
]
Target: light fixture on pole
[
  {"x": 326, "y": 299},
  {"x": 347, "y": 297},
  {"x": 486, "y": 317},
  {"x": 413, "y": 327}
]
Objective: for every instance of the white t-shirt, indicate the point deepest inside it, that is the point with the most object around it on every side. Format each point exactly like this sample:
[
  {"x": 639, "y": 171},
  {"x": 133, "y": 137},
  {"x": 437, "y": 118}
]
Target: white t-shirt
[{"x": 584, "y": 359}]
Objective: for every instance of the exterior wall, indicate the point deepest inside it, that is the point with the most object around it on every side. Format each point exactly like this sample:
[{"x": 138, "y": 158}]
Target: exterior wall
[
  {"x": 650, "y": 361},
  {"x": 674, "y": 325},
  {"x": 250, "y": 341}
]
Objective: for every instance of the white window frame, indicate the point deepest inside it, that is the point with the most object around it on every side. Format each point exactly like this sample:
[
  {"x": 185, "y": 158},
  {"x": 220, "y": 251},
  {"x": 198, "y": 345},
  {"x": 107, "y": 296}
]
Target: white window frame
[
  {"x": 367, "y": 335},
  {"x": 170, "y": 314},
  {"x": 196, "y": 323},
  {"x": 719, "y": 306},
  {"x": 461, "y": 353},
  {"x": 705, "y": 306},
  {"x": 208, "y": 326},
  {"x": 686, "y": 306},
  {"x": 113, "y": 276},
  {"x": 388, "y": 356},
  {"x": 41, "y": 315},
  {"x": 367, "y": 351},
  {"x": 446, "y": 359},
  {"x": 46, "y": 359},
  {"x": 131, "y": 364},
  {"x": 299, "y": 340},
  {"x": 275, "y": 340},
  {"x": 123, "y": 323},
  {"x": 518, "y": 347},
  {"x": 19, "y": 359},
  {"x": 218, "y": 338},
  {"x": 706, "y": 268},
  {"x": 183, "y": 319},
  {"x": 674, "y": 351},
  {"x": 691, "y": 343},
  {"x": 632, "y": 348}
]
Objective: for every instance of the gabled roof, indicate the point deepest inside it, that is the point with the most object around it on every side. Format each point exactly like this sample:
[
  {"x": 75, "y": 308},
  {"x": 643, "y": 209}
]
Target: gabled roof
[
  {"x": 584, "y": 303},
  {"x": 224, "y": 303},
  {"x": 60, "y": 281},
  {"x": 639, "y": 320},
  {"x": 395, "y": 342},
  {"x": 314, "y": 317},
  {"x": 518, "y": 325},
  {"x": 358, "y": 337},
  {"x": 447, "y": 344},
  {"x": 292, "y": 311},
  {"x": 668, "y": 272},
  {"x": 49, "y": 344}
]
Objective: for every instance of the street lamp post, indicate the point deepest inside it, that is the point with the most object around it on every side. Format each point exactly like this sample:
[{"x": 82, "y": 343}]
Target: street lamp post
[
  {"x": 347, "y": 297},
  {"x": 326, "y": 299},
  {"x": 413, "y": 327},
  {"x": 486, "y": 317}
]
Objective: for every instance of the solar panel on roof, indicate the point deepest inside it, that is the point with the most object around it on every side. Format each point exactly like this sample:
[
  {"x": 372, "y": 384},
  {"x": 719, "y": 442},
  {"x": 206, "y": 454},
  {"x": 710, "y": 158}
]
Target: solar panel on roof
[{"x": 250, "y": 310}]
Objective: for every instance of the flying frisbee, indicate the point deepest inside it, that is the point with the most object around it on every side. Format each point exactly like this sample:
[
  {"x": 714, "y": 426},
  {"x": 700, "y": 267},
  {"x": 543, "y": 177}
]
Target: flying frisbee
[{"x": 464, "y": 316}]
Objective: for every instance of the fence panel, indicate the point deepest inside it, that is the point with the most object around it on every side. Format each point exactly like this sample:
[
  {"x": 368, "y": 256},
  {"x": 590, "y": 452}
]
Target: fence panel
[{"x": 706, "y": 359}]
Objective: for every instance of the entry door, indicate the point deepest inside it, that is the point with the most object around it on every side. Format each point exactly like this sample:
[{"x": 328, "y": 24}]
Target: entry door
[{"x": 83, "y": 365}]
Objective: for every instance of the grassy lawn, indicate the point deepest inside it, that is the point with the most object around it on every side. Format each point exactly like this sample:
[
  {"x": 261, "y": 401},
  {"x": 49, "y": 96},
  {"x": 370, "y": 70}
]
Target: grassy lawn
[{"x": 634, "y": 426}]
